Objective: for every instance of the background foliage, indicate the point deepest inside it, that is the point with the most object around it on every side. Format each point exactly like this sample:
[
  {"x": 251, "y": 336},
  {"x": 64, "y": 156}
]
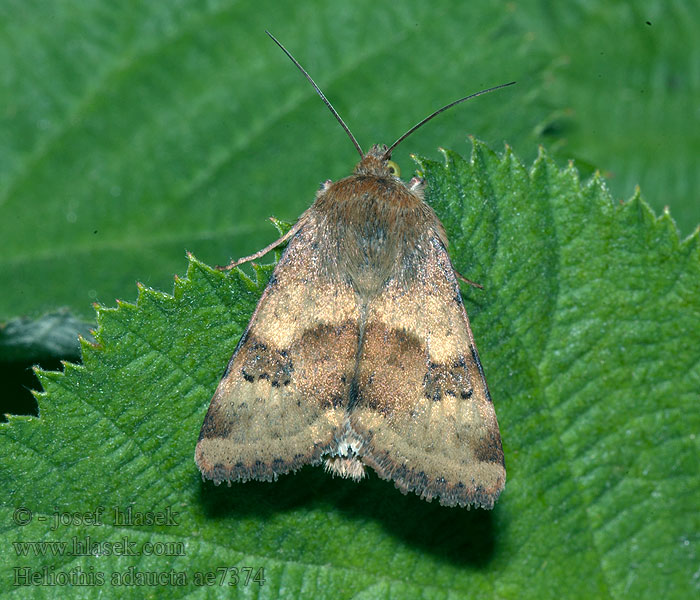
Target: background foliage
[{"x": 133, "y": 131}]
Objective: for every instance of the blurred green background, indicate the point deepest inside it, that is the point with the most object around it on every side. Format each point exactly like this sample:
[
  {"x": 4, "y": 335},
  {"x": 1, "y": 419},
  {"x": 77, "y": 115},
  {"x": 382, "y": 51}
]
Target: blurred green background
[{"x": 131, "y": 132}]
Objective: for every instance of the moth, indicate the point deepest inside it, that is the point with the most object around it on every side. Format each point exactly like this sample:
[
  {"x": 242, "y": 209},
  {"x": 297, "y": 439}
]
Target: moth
[{"x": 359, "y": 353}]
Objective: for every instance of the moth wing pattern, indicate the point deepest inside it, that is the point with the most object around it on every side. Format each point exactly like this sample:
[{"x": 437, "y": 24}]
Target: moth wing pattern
[
  {"x": 285, "y": 390},
  {"x": 423, "y": 415}
]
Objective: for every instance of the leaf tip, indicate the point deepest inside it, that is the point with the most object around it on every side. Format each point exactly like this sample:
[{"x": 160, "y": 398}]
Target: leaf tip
[{"x": 419, "y": 161}]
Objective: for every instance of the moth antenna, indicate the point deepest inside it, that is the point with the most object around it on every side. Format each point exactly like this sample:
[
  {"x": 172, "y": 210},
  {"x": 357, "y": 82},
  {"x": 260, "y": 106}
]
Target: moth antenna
[
  {"x": 320, "y": 93},
  {"x": 387, "y": 154}
]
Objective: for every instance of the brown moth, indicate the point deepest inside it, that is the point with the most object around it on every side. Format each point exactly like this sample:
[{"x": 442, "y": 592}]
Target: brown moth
[{"x": 359, "y": 352}]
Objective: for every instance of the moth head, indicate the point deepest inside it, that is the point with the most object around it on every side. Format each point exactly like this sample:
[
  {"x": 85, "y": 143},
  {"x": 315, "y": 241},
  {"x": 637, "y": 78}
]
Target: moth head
[{"x": 377, "y": 162}]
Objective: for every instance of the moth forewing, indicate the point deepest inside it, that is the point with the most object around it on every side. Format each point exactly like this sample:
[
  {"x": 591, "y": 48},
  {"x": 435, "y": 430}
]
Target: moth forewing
[{"x": 280, "y": 400}]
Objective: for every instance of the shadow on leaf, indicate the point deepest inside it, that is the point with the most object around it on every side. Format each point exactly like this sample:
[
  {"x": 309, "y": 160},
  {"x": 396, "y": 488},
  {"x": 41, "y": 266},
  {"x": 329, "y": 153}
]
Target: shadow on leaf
[{"x": 460, "y": 536}]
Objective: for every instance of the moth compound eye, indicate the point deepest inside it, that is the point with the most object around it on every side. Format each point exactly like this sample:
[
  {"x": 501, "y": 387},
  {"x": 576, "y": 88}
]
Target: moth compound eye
[{"x": 393, "y": 168}]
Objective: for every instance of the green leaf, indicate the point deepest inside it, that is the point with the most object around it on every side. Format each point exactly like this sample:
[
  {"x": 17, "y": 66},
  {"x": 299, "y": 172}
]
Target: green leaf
[
  {"x": 587, "y": 329},
  {"x": 133, "y": 131}
]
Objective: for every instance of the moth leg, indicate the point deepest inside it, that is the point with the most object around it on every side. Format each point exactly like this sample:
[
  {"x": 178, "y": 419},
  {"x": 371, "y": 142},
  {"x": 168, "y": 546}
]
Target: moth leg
[
  {"x": 461, "y": 277},
  {"x": 234, "y": 263}
]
